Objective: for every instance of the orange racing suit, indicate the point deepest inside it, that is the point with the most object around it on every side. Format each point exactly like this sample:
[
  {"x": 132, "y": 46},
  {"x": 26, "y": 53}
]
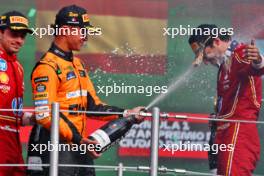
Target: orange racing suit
[{"x": 60, "y": 77}]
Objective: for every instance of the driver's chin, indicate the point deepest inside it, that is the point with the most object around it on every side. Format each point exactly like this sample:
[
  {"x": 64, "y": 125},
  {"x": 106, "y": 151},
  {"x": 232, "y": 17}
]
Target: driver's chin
[
  {"x": 13, "y": 50},
  {"x": 76, "y": 48}
]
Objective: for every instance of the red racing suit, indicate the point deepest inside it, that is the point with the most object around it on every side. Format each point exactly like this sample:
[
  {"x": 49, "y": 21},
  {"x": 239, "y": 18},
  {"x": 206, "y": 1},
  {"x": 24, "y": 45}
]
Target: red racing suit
[
  {"x": 239, "y": 91},
  {"x": 11, "y": 97}
]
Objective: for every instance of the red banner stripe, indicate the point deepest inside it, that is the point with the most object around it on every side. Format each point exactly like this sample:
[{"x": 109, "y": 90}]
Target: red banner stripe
[
  {"x": 134, "y": 64},
  {"x": 135, "y": 8}
]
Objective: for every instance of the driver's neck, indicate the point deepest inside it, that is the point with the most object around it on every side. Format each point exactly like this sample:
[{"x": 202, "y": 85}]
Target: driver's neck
[{"x": 60, "y": 42}]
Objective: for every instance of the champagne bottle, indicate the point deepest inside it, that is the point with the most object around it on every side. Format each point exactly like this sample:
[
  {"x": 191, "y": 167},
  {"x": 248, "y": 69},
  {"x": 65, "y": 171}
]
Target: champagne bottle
[{"x": 112, "y": 132}]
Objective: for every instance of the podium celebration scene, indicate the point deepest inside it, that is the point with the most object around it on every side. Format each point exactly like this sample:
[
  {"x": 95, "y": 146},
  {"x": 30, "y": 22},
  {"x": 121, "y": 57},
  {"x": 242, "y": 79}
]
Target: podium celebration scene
[{"x": 131, "y": 87}]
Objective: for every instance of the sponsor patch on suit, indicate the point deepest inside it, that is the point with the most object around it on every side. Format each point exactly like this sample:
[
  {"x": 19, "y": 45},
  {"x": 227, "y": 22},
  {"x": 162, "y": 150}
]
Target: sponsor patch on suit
[
  {"x": 82, "y": 73},
  {"x": 41, "y": 88},
  {"x": 41, "y": 79},
  {"x": 41, "y": 102},
  {"x": 42, "y": 112},
  {"x": 4, "y": 79},
  {"x": 3, "y": 65},
  {"x": 40, "y": 96},
  {"x": 70, "y": 75}
]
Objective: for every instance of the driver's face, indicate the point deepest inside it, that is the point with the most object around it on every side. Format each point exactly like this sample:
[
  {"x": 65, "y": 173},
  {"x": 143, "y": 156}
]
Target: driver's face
[
  {"x": 11, "y": 40},
  {"x": 212, "y": 55}
]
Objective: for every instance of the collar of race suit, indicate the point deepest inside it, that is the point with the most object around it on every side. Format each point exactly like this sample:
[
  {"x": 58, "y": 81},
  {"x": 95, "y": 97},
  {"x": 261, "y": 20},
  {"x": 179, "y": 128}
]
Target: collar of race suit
[
  {"x": 232, "y": 47},
  {"x": 68, "y": 56},
  {"x": 7, "y": 57}
]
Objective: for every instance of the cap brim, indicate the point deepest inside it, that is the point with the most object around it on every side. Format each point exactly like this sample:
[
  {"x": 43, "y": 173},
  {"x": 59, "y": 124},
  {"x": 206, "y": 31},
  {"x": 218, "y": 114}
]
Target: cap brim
[{"x": 15, "y": 28}]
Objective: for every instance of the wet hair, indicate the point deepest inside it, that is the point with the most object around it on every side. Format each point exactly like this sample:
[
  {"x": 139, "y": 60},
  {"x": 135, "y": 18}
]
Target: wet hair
[{"x": 206, "y": 39}]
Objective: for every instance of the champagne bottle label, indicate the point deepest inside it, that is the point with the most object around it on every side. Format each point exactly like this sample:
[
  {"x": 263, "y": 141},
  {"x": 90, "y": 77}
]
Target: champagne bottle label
[{"x": 101, "y": 137}]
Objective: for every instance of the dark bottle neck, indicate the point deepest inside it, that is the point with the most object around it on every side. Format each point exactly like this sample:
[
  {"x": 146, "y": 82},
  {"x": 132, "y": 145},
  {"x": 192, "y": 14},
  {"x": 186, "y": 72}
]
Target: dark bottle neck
[{"x": 132, "y": 119}]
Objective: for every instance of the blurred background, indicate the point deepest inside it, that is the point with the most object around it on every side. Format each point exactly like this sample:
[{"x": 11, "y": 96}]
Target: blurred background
[{"x": 132, "y": 50}]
